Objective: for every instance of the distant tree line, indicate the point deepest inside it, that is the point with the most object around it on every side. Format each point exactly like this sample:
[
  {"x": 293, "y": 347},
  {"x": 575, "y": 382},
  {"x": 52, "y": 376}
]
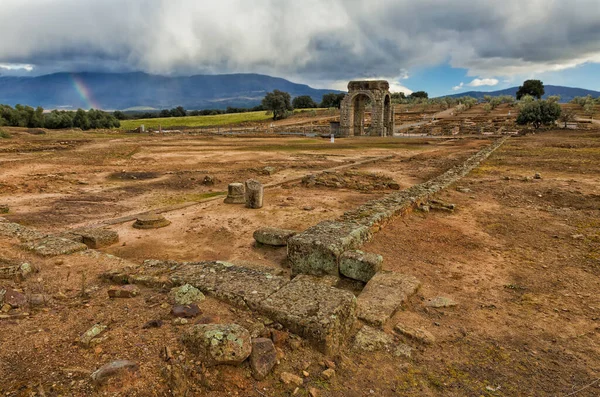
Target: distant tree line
[
  {"x": 181, "y": 112},
  {"x": 26, "y": 116}
]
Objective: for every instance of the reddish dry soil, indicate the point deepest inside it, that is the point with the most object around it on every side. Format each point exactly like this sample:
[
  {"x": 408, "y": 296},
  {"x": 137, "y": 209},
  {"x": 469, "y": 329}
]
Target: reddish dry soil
[{"x": 521, "y": 258}]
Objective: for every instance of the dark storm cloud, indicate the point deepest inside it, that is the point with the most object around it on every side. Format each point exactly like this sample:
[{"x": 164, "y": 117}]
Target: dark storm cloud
[{"x": 316, "y": 40}]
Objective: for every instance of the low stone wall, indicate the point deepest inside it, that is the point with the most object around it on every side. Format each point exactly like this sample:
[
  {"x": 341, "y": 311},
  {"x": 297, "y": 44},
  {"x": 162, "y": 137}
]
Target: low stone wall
[{"x": 318, "y": 249}]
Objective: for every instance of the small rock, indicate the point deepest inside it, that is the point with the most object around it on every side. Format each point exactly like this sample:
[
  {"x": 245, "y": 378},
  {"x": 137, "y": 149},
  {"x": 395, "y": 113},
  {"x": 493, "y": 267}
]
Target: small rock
[
  {"x": 279, "y": 337},
  {"x": 208, "y": 319},
  {"x": 394, "y": 186},
  {"x": 308, "y": 208},
  {"x": 91, "y": 334},
  {"x": 188, "y": 311},
  {"x": 424, "y": 208},
  {"x": 463, "y": 189},
  {"x": 288, "y": 378},
  {"x": 208, "y": 180},
  {"x": 119, "y": 368},
  {"x": 126, "y": 291},
  {"x": 187, "y": 294},
  {"x": 295, "y": 344},
  {"x": 417, "y": 334},
  {"x": 440, "y": 301},
  {"x": 4, "y": 209},
  {"x": 6, "y": 308},
  {"x": 273, "y": 236},
  {"x": 218, "y": 343},
  {"x": 313, "y": 392},
  {"x": 330, "y": 364},
  {"x": 153, "y": 324},
  {"x": 305, "y": 374},
  {"x": 403, "y": 350},
  {"x": 13, "y": 298},
  {"x": 269, "y": 170},
  {"x": 577, "y": 236},
  {"x": 328, "y": 373},
  {"x": 371, "y": 339},
  {"x": 537, "y": 176},
  {"x": 180, "y": 321},
  {"x": 262, "y": 358},
  {"x": 38, "y": 300}
]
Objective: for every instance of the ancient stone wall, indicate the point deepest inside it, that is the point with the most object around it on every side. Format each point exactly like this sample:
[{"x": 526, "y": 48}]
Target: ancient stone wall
[{"x": 318, "y": 249}]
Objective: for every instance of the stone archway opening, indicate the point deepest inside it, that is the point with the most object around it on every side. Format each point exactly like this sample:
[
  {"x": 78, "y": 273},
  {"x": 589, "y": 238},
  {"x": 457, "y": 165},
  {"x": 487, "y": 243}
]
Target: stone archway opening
[{"x": 359, "y": 122}]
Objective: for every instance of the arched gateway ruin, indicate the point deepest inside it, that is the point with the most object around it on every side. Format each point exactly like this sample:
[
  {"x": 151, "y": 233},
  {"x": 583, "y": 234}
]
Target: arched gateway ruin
[{"x": 352, "y": 113}]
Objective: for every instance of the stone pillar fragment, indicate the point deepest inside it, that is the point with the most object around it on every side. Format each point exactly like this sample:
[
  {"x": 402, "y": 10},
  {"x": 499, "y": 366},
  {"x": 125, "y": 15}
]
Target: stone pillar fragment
[
  {"x": 235, "y": 194},
  {"x": 254, "y": 194}
]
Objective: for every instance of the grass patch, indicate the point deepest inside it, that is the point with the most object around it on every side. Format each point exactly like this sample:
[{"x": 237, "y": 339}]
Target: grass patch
[
  {"x": 4, "y": 134},
  {"x": 196, "y": 121}
]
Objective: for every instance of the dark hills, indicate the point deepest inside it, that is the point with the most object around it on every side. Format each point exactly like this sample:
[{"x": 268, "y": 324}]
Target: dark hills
[
  {"x": 120, "y": 91},
  {"x": 566, "y": 93}
]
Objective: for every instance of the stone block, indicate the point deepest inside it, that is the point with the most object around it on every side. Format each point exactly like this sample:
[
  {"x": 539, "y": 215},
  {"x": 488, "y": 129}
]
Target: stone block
[
  {"x": 97, "y": 237},
  {"x": 317, "y": 250},
  {"x": 323, "y": 315},
  {"x": 151, "y": 221},
  {"x": 235, "y": 194},
  {"x": 218, "y": 343},
  {"x": 54, "y": 246},
  {"x": 254, "y": 194},
  {"x": 240, "y": 286},
  {"x": 383, "y": 295},
  {"x": 273, "y": 236},
  {"x": 360, "y": 265}
]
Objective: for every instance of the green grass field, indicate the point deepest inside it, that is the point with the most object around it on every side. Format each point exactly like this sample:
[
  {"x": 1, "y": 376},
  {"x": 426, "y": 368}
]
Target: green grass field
[{"x": 196, "y": 121}]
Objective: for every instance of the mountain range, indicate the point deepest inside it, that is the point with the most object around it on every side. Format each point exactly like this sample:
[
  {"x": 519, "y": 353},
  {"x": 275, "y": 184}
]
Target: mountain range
[
  {"x": 566, "y": 93},
  {"x": 124, "y": 91}
]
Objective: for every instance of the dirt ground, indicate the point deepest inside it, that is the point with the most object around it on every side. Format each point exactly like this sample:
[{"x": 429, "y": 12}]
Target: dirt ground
[{"x": 521, "y": 256}]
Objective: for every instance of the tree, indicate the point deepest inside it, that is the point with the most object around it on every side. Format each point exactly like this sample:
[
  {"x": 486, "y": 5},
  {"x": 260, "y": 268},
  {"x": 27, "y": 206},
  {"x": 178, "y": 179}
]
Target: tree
[
  {"x": 535, "y": 88},
  {"x": 304, "y": 102},
  {"x": 554, "y": 98},
  {"x": 179, "y": 111},
  {"x": 398, "y": 96},
  {"x": 567, "y": 116},
  {"x": 279, "y": 103},
  {"x": 332, "y": 100},
  {"x": 419, "y": 94},
  {"x": 539, "y": 113}
]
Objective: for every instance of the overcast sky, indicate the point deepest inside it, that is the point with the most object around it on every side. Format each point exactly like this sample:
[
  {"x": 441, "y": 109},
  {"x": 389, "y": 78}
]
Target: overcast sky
[{"x": 442, "y": 46}]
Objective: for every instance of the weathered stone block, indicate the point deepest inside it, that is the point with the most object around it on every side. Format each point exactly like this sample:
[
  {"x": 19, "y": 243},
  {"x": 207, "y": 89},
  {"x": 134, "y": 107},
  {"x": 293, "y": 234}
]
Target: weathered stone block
[
  {"x": 97, "y": 237},
  {"x": 321, "y": 314},
  {"x": 383, "y": 295},
  {"x": 273, "y": 236},
  {"x": 54, "y": 246},
  {"x": 317, "y": 250},
  {"x": 360, "y": 265},
  {"x": 235, "y": 194},
  {"x": 151, "y": 221},
  {"x": 254, "y": 194},
  {"x": 218, "y": 343},
  {"x": 237, "y": 285}
]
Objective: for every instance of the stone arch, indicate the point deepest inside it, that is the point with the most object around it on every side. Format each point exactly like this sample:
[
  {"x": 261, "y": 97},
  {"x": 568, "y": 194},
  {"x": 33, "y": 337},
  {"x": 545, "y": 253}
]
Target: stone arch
[{"x": 352, "y": 109}]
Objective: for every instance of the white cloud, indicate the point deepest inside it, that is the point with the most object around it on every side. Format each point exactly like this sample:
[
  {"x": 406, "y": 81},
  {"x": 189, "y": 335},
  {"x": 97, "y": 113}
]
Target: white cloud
[
  {"x": 458, "y": 87},
  {"x": 13, "y": 66},
  {"x": 482, "y": 82}
]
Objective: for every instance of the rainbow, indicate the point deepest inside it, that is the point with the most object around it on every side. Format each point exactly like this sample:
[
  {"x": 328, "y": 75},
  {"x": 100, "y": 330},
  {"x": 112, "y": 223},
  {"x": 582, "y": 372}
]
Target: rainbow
[{"x": 84, "y": 92}]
